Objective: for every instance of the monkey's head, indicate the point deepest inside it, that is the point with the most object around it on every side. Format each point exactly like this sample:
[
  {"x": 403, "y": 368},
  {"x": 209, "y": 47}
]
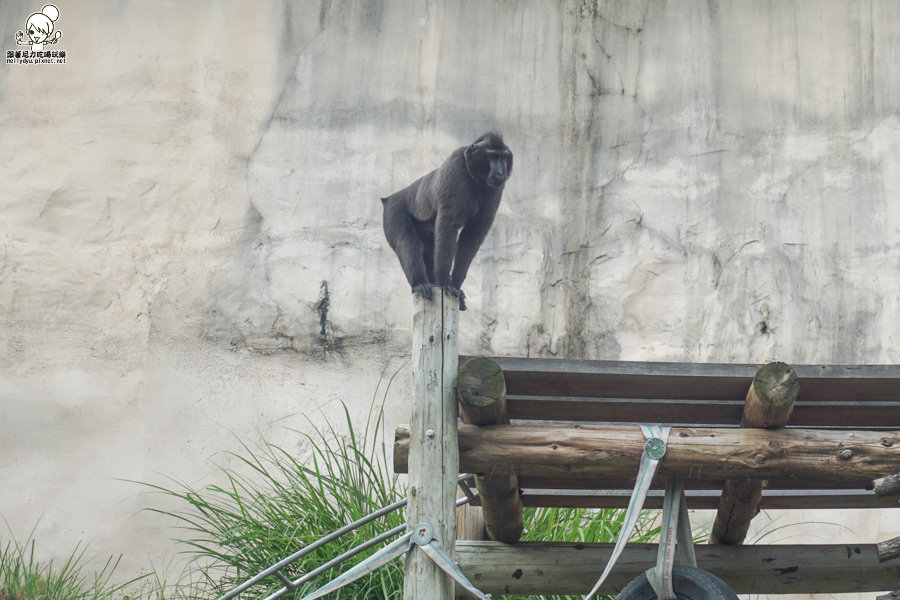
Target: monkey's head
[{"x": 488, "y": 160}]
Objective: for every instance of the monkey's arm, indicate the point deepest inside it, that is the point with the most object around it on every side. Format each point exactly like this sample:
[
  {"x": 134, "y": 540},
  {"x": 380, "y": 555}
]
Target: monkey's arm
[
  {"x": 470, "y": 239},
  {"x": 445, "y": 233}
]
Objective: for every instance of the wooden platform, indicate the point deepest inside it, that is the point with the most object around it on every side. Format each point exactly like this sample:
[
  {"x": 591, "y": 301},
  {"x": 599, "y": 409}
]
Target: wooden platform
[
  {"x": 560, "y": 433},
  {"x": 566, "y": 391}
]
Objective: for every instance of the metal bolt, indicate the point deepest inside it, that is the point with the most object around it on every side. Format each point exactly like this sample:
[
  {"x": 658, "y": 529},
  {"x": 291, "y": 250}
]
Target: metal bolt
[
  {"x": 429, "y": 433},
  {"x": 655, "y": 448}
]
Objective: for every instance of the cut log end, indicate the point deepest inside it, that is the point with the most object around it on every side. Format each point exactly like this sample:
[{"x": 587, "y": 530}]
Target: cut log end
[
  {"x": 889, "y": 550},
  {"x": 887, "y": 486},
  {"x": 771, "y": 397},
  {"x": 481, "y": 389}
]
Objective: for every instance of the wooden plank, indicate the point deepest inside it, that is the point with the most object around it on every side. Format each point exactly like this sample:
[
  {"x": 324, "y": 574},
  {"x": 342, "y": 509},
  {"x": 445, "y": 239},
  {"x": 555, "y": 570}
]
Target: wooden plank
[
  {"x": 568, "y": 568},
  {"x": 618, "y": 379},
  {"x": 434, "y": 464},
  {"x": 706, "y": 499},
  {"x": 855, "y": 414},
  {"x": 582, "y": 483},
  {"x": 614, "y": 451}
]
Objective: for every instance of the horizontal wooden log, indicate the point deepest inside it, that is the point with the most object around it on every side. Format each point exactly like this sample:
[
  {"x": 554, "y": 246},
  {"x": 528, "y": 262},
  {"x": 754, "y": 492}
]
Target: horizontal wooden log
[
  {"x": 568, "y": 568},
  {"x": 601, "y": 452}
]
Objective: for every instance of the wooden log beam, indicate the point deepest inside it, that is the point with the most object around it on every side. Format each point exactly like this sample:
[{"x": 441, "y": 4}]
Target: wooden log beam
[
  {"x": 434, "y": 464},
  {"x": 769, "y": 403},
  {"x": 827, "y": 457},
  {"x": 536, "y": 568},
  {"x": 482, "y": 401}
]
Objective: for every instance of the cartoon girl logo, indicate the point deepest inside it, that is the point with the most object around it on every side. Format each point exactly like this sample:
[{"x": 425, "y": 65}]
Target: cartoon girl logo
[{"x": 39, "y": 29}]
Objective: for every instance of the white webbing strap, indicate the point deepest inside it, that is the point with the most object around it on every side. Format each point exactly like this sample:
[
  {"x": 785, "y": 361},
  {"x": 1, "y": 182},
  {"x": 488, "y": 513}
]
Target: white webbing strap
[
  {"x": 660, "y": 576},
  {"x": 654, "y": 449}
]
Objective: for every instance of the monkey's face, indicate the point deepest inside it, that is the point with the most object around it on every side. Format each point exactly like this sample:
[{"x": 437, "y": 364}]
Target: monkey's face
[
  {"x": 489, "y": 161},
  {"x": 500, "y": 166}
]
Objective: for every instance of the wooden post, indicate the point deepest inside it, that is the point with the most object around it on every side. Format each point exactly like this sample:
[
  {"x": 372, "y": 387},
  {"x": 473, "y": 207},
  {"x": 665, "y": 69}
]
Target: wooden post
[
  {"x": 482, "y": 401},
  {"x": 434, "y": 455},
  {"x": 769, "y": 403}
]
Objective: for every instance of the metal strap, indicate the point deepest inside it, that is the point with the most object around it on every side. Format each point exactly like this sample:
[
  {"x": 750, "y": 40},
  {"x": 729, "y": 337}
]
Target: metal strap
[
  {"x": 654, "y": 449},
  {"x": 379, "y": 559},
  {"x": 438, "y": 554},
  {"x": 420, "y": 537}
]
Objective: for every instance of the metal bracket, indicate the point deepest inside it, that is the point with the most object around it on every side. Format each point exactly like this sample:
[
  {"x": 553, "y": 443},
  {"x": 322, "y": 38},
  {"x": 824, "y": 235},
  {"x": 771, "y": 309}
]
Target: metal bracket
[{"x": 655, "y": 448}]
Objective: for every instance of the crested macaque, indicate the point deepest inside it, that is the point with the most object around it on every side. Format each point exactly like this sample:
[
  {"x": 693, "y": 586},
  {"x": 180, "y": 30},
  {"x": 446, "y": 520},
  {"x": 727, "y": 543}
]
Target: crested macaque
[{"x": 437, "y": 223}]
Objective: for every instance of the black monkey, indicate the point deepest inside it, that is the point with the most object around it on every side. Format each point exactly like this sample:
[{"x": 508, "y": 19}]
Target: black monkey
[{"x": 438, "y": 222}]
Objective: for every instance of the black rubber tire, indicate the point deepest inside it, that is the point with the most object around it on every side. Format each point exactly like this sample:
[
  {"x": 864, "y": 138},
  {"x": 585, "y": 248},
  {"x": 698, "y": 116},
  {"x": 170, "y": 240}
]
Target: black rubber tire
[{"x": 690, "y": 584}]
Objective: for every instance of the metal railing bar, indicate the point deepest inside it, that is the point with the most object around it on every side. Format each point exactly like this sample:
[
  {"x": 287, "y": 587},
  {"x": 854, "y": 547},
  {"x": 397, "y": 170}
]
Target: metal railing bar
[
  {"x": 345, "y": 556},
  {"x": 314, "y": 546},
  {"x": 325, "y": 540},
  {"x": 284, "y": 580},
  {"x": 336, "y": 561}
]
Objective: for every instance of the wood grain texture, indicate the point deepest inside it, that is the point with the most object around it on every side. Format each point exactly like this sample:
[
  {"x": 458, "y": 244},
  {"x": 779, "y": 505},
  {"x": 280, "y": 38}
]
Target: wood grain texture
[
  {"x": 569, "y": 568},
  {"x": 844, "y": 458},
  {"x": 434, "y": 466},
  {"x": 482, "y": 401},
  {"x": 889, "y": 550},
  {"x": 622, "y": 379},
  {"x": 769, "y": 403},
  {"x": 889, "y": 485}
]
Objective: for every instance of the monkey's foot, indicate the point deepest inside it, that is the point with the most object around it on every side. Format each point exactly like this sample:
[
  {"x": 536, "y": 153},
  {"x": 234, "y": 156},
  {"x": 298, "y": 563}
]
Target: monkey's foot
[
  {"x": 457, "y": 293},
  {"x": 422, "y": 290}
]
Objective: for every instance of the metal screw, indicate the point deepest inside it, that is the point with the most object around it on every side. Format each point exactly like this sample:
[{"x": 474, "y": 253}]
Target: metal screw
[{"x": 429, "y": 433}]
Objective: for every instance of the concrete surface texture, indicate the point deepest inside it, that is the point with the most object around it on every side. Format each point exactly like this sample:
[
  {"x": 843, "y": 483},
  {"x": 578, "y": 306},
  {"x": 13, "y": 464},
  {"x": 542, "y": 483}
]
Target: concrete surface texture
[{"x": 190, "y": 227}]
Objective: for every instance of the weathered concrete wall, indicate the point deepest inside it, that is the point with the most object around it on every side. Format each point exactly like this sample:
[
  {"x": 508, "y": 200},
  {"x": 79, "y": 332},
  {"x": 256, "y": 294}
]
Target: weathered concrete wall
[{"x": 190, "y": 231}]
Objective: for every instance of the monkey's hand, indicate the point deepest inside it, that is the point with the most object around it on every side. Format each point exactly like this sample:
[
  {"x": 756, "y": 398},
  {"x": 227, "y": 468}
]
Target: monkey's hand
[{"x": 423, "y": 290}]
